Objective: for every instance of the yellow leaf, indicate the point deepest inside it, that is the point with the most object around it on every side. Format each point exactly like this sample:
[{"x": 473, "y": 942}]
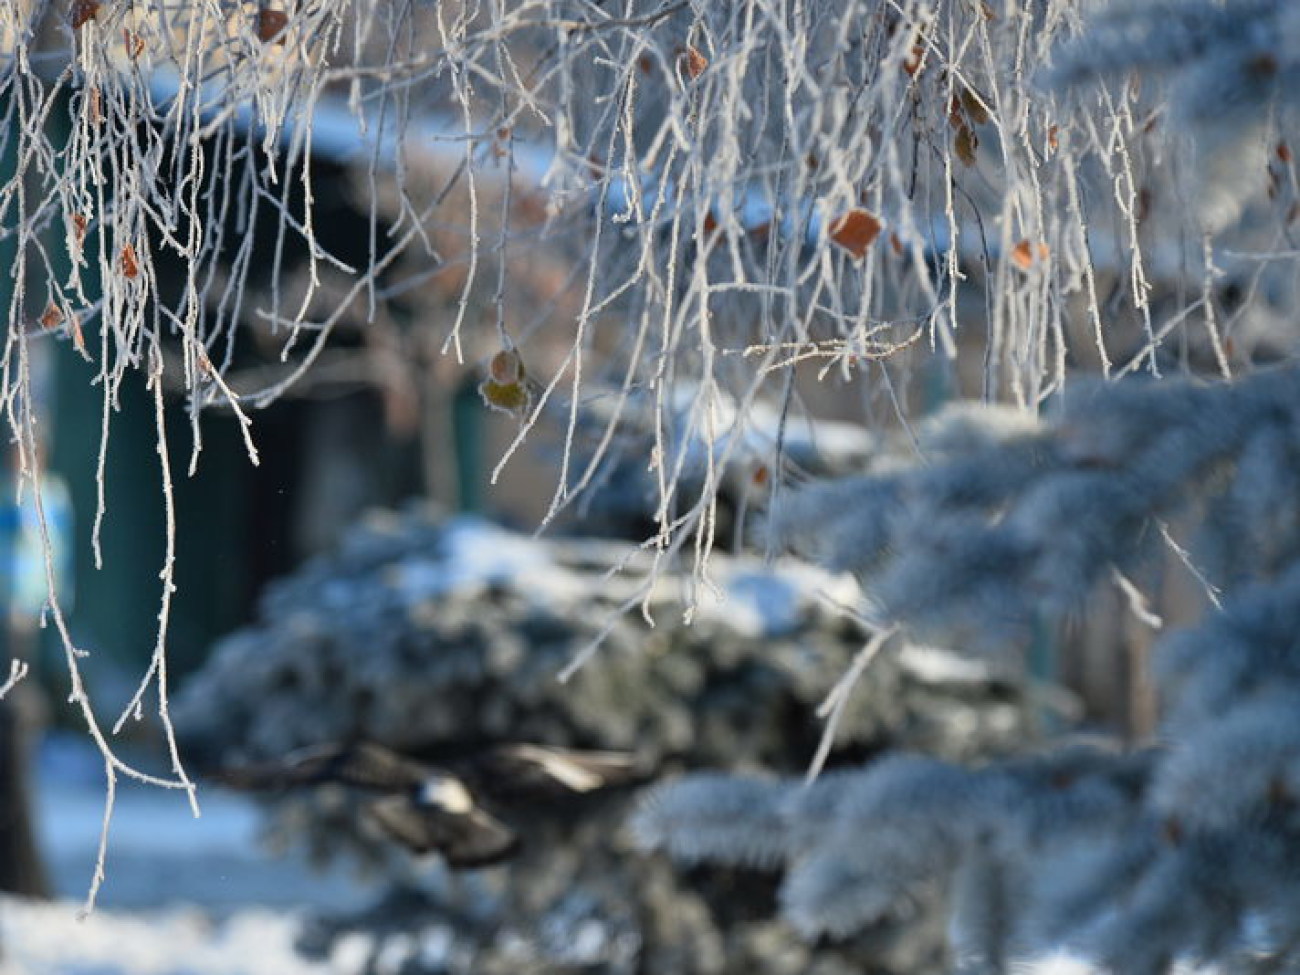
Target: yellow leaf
[{"x": 507, "y": 397}]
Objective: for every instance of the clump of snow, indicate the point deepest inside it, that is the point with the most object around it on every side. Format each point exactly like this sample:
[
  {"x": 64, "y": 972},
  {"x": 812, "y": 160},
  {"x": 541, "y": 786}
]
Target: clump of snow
[
  {"x": 770, "y": 603},
  {"x": 475, "y": 555}
]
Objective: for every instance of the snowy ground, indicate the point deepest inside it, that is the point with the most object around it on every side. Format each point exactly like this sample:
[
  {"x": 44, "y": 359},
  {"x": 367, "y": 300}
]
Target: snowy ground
[
  {"x": 47, "y": 939},
  {"x": 183, "y": 896}
]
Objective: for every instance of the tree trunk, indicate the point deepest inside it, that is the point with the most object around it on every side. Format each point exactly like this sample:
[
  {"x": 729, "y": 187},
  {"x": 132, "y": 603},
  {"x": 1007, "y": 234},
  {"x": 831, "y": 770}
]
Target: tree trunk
[{"x": 21, "y": 869}]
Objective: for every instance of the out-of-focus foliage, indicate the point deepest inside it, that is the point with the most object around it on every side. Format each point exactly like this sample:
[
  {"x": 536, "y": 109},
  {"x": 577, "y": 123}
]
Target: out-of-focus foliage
[
  {"x": 436, "y": 637},
  {"x": 1130, "y": 862}
]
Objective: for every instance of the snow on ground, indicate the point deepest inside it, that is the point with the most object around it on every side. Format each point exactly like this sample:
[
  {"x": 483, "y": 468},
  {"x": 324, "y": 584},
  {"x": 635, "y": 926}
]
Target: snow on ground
[
  {"x": 183, "y": 896},
  {"x": 159, "y": 854},
  {"x": 48, "y": 939}
]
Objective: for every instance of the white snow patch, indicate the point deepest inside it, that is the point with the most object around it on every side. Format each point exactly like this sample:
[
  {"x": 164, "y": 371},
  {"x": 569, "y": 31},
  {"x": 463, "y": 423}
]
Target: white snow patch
[
  {"x": 475, "y": 554},
  {"x": 936, "y": 665},
  {"x": 1057, "y": 963},
  {"x": 49, "y": 939}
]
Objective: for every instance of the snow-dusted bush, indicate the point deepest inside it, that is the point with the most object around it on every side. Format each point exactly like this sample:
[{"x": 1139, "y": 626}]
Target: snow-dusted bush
[{"x": 439, "y": 636}]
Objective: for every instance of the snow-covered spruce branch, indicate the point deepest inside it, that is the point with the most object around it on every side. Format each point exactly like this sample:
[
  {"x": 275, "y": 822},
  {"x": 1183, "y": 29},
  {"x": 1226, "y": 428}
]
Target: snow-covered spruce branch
[
  {"x": 1003, "y": 521},
  {"x": 1170, "y": 36},
  {"x": 1184, "y": 853},
  {"x": 1129, "y": 863},
  {"x": 1225, "y": 77},
  {"x": 865, "y": 846}
]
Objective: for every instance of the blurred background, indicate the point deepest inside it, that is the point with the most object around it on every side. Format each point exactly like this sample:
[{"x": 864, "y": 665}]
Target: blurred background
[
  {"x": 375, "y": 578},
  {"x": 368, "y": 581}
]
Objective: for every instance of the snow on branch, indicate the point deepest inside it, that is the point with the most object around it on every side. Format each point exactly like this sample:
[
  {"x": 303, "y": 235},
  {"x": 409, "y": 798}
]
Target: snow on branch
[
  {"x": 1178, "y": 854},
  {"x": 1230, "y": 73},
  {"x": 981, "y": 536}
]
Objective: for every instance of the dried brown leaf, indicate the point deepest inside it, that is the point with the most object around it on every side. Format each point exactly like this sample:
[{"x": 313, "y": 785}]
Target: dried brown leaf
[
  {"x": 914, "y": 63},
  {"x": 51, "y": 317},
  {"x": 855, "y": 231},
  {"x": 134, "y": 44},
  {"x": 507, "y": 397},
  {"x": 693, "y": 62},
  {"x": 1025, "y": 254},
  {"x": 271, "y": 24},
  {"x": 973, "y": 106},
  {"x": 964, "y": 143},
  {"x": 130, "y": 266},
  {"x": 507, "y": 367},
  {"x": 83, "y": 11}
]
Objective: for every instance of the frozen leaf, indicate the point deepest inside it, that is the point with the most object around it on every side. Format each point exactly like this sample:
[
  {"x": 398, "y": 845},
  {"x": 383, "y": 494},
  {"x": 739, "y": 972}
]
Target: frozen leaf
[
  {"x": 914, "y": 63},
  {"x": 84, "y": 11},
  {"x": 507, "y": 386},
  {"x": 270, "y": 24},
  {"x": 508, "y": 397},
  {"x": 78, "y": 338},
  {"x": 694, "y": 63},
  {"x": 1025, "y": 254},
  {"x": 964, "y": 143},
  {"x": 130, "y": 266},
  {"x": 133, "y": 43},
  {"x": 507, "y": 367},
  {"x": 973, "y": 106},
  {"x": 855, "y": 231}
]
